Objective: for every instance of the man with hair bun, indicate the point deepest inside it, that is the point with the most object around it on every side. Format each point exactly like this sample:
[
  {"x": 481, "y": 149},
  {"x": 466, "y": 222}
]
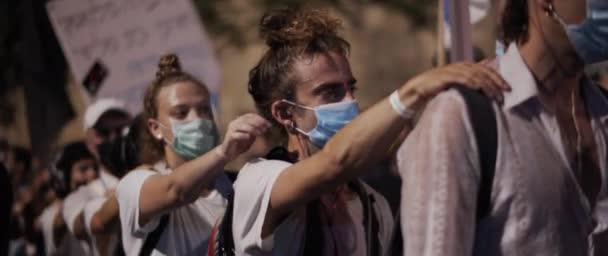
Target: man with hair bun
[{"x": 305, "y": 198}]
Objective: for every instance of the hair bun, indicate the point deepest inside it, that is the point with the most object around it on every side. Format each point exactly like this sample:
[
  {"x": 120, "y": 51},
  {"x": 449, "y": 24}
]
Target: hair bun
[
  {"x": 292, "y": 27},
  {"x": 167, "y": 65}
]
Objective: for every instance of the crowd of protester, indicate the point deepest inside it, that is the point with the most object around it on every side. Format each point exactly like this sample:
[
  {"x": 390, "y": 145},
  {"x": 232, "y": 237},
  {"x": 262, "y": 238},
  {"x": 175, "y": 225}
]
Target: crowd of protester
[{"x": 502, "y": 157}]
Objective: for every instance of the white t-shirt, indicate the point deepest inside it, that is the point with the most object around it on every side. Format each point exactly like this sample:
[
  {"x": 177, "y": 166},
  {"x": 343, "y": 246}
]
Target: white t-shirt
[
  {"x": 45, "y": 221},
  {"x": 75, "y": 202},
  {"x": 69, "y": 245},
  {"x": 189, "y": 227},
  {"x": 89, "y": 211},
  {"x": 252, "y": 196}
]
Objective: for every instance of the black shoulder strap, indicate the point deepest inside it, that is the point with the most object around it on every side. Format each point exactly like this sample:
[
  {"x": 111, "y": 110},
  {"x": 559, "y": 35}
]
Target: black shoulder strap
[
  {"x": 483, "y": 121},
  {"x": 152, "y": 238},
  {"x": 224, "y": 243},
  {"x": 370, "y": 218}
]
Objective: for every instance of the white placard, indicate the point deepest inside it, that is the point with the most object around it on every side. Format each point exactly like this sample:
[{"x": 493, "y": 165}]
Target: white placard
[{"x": 128, "y": 37}]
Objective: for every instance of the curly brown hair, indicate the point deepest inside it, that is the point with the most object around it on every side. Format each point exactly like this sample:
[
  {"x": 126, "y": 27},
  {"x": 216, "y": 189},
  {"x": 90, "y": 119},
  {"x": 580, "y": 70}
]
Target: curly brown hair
[
  {"x": 514, "y": 22},
  {"x": 169, "y": 72},
  {"x": 290, "y": 33}
]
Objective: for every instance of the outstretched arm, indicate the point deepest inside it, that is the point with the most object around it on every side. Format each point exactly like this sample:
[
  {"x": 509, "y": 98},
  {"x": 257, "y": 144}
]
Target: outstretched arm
[
  {"x": 162, "y": 193},
  {"x": 366, "y": 139}
]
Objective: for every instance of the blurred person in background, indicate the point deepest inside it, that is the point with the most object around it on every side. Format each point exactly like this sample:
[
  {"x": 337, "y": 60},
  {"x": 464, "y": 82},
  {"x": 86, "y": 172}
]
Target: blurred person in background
[
  {"x": 104, "y": 121},
  {"x": 6, "y": 197},
  {"x": 75, "y": 167},
  {"x": 34, "y": 196},
  {"x": 6, "y": 202},
  {"x": 168, "y": 205},
  {"x": 25, "y": 186},
  {"x": 101, "y": 215},
  {"x": 541, "y": 189},
  {"x": 18, "y": 162},
  {"x": 305, "y": 198}
]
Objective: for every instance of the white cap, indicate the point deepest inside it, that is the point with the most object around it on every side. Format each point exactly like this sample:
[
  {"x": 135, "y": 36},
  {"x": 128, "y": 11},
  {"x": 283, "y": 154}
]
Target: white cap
[{"x": 97, "y": 109}]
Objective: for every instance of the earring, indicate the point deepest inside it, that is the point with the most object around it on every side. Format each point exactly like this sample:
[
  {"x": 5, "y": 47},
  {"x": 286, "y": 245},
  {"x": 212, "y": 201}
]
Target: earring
[
  {"x": 550, "y": 10},
  {"x": 291, "y": 126}
]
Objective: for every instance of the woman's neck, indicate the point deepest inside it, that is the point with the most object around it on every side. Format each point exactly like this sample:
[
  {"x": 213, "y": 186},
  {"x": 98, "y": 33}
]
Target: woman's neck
[{"x": 173, "y": 160}]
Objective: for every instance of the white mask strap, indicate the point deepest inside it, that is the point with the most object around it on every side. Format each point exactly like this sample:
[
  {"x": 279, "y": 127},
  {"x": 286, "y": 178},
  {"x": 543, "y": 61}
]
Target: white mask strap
[{"x": 297, "y": 105}]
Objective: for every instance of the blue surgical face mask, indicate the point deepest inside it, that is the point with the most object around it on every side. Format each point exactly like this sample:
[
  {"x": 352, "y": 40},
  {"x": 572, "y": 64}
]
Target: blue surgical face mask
[
  {"x": 330, "y": 118},
  {"x": 590, "y": 38},
  {"x": 193, "y": 138}
]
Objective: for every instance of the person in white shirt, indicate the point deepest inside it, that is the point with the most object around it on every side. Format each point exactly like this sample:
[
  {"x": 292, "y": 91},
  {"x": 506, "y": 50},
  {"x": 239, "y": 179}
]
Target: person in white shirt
[
  {"x": 75, "y": 167},
  {"x": 306, "y": 199},
  {"x": 546, "y": 190},
  {"x": 104, "y": 120},
  {"x": 171, "y": 203},
  {"x": 101, "y": 216}
]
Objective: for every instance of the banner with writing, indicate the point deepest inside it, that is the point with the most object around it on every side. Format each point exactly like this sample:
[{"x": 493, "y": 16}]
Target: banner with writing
[{"x": 127, "y": 38}]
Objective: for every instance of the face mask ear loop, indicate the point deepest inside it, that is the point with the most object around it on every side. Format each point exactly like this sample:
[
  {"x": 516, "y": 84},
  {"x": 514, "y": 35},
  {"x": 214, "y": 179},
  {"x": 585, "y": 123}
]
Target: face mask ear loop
[
  {"x": 553, "y": 14},
  {"x": 293, "y": 126},
  {"x": 304, "y": 150},
  {"x": 297, "y": 105}
]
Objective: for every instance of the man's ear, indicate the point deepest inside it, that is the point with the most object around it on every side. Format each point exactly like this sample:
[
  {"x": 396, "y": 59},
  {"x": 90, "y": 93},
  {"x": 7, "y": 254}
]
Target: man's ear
[{"x": 282, "y": 113}]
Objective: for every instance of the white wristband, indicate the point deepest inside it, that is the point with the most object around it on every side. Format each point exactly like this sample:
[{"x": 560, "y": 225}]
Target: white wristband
[{"x": 398, "y": 107}]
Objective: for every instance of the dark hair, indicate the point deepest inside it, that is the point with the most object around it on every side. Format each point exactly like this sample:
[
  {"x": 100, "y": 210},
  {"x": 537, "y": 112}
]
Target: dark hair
[
  {"x": 111, "y": 114},
  {"x": 290, "y": 34},
  {"x": 169, "y": 72},
  {"x": 514, "y": 22},
  {"x": 61, "y": 171}
]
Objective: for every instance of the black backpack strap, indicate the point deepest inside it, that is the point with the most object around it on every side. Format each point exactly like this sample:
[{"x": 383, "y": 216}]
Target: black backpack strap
[
  {"x": 370, "y": 218},
  {"x": 483, "y": 120},
  {"x": 314, "y": 237},
  {"x": 224, "y": 242},
  {"x": 152, "y": 238},
  {"x": 396, "y": 243}
]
